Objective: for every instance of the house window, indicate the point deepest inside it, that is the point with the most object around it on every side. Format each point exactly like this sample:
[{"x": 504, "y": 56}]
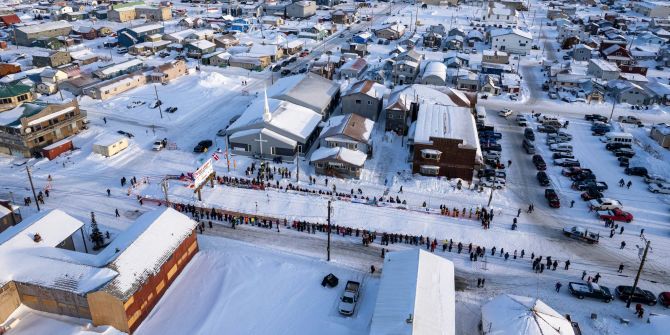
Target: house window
[
  {"x": 319, "y": 165},
  {"x": 390, "y": 116},
  {"x": 369, "y": 102},
  {"x": 431, "y": 154},
  {"x": 358, "y": 102},
  {"x": 430, "y": 170}
]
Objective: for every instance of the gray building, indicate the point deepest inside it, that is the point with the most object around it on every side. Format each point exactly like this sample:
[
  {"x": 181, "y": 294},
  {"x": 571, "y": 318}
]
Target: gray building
[
  {"x": 603, "y": 69},
  {"x": 26, "y": 35},
  {"x": 52, "y": 59},
  {"x": 398, "y": 107},
  {"x": 307, "y": 90},
  {"x": 271, "y": 128},
  {"x": 363, "y": 98},
  {"x": 301, "y": 9},
  {"x": 582, "y": 53}
]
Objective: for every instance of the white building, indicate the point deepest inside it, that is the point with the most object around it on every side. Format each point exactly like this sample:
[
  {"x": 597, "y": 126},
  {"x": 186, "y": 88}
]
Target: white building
[
  {"x": 513, "y": 41},
  {"x": 508, "y": 17},
  {"x": 659, "y": 9},
  {"x": 416, "y": 295}
]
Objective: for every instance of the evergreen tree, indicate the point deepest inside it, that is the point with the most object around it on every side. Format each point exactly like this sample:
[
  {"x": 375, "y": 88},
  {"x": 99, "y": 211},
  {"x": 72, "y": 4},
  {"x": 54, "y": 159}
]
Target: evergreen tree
[{"x": 96, "y": 235}]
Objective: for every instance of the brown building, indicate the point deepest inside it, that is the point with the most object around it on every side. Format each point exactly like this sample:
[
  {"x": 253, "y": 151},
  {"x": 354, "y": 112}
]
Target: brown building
[
  {"x": 445, "y": 142},
  {"x": 661, "y": 133},
  {"x": 169, "y": 71},
  {"x": 9, "y": 215},
  {"x": 52, "y": 59},
  {"x": 119, "y": 286},
  {"x": 6, "y": 69},
  {"x": 38, "y": 125}
]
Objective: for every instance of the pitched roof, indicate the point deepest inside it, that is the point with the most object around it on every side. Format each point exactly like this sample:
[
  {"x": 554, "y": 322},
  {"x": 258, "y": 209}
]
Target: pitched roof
[
  {"x": 8, "y": 91},
  {"x": 352, "y": 125},
  {"x": 339, "y": 154}
]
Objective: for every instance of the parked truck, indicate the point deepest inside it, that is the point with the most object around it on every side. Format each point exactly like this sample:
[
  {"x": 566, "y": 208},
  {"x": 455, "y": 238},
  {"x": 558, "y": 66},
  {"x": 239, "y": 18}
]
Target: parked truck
[
  {"x": 582, "y": 234},
  {"x": 349, "y": 298},
  {"x": 590, "y": 290}
]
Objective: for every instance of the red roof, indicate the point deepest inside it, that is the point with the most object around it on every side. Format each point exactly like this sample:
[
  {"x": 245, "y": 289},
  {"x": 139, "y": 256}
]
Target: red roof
[{"x": 10, "y": 19}]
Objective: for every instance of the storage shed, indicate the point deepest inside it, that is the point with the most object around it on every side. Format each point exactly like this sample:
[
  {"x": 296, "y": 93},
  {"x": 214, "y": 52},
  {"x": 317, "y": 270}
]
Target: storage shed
[
  {"x": 110, "y": 146},
  {"x": 54, "y": 150}
]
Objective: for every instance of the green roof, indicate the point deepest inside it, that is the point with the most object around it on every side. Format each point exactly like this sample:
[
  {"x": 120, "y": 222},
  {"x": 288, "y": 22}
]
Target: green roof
[{"x": 9, "y": 91}]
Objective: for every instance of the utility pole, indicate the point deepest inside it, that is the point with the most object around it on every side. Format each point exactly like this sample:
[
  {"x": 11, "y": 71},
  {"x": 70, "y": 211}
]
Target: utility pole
[
  {"x": 491, "y": 195},
  {"x": 297, "y": 164},
  {"x": 328, "y": 247},
  {"x": 165, "y": 185},
  {"x": 158, "y": 101},
  {"x": 30, "y": 178},
  {"x": 613, "y": 104},
  {"x": 639, "y": 271}
]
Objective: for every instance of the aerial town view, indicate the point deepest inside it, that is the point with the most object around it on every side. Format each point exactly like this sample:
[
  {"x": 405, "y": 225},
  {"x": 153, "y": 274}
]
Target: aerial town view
[{"x": 335, "y": 167}]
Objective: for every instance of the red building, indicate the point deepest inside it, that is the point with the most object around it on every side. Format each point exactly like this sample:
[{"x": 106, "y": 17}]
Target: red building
[{"x": 10, "y": 19}]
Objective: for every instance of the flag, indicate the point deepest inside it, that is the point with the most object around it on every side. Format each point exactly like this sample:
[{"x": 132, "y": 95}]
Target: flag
[{"x": 215, "y": 156}]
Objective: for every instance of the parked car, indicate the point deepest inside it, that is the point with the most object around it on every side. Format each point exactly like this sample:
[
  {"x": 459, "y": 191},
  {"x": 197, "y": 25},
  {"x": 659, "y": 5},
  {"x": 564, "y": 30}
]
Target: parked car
[
  {"x": 654, "y": 178},
  {"x": 547, "y": 129},
  {"x": 203, "y": 146},
  {"x": 595, "y": 117},
  {"x": 529, "y": 146},
  {"x": 529, "y": 134},
  {"x": 605, "y": 204},
  {"x": 630, "y": 119},
  {"x": 624, "y": 161},
  {"x": 624, "y": 152},
  {"x": 586, "y": 184},
  {"x": 615, "y": 146},
  {"x": 505, "y": 112},
  {"x": 159, "y": 145},
  {"x": 543, "y": 178},
  {"x": 566, "y": 162},
  {"x": 636, "y": 171},
  {"x": 495, "y": 182},
  {"x": 559, "y": 155},
  {"x": 171, "y": 109},
  {"x": 640, "y": 295},
  {"x": 615, "y": 215},
  {"x": 591, "y": 194},
  {"x": 600, "y": 125},
  {"x": 599, "y": 132},
  {"x": 349, "y": 298},
  {"x": 571, "y": 171},
  {"x": 561, "y": 147},
  {"x": 491, "y": 147},
  {"x": 659, "y": 188},
  {"x": 493, "y": 155},
  {"x": 552, "y": 198},
  {"x": 585, "y": 176},
  {"x": 590, "y": 290},
  {"x": 664, "y": 299},
  {"x": 129, "y": 135},
  {"x": 553, "y": 95},
  {"x": 539, "y": 162}
]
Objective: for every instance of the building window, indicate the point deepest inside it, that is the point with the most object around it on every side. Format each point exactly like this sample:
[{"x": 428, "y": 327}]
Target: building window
[
  {"x": 358, "y": 102},
  {"x": 369, "y": 102},
  {"x": 430, "y": 170},
  {"x": 431, "y": 154}
]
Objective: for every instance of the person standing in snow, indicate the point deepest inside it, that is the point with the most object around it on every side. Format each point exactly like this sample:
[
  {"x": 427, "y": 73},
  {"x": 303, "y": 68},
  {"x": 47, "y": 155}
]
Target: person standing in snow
[
  {"x": 583, "y": 274},
  {"x": 629, "y": 184},
  {"x": 372, "y": 269},
  {"x": 109, "y": 193},
  {"x": 116, "y": 212},
  {"x": 620, "y": 268},
  {"x": 567, "y": 264},
  {"x": 558, "y": 286}
]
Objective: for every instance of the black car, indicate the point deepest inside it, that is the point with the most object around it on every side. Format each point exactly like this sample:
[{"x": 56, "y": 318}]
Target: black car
[
  {"x": 583, "y": 176},
  {"x": 591, "y": 193},
  {"x": 492, "y": 147},
  {"x": 599, "y": 132},
  {"x": 543, "y": 178},
  {"x": 285, "y": 72},
  {"x": 591, "y": 290},
  {"x": 129, "y": 135},
  {"x": 558, "y": 155},
  {"x": 636, "y": 171},
  {"x": 595, "y": 117},
  {"x": 624, "y": 161},
  {"x": 202, "y": 146},
  {"x": 615, "y": 146},
  {"x": 640, "y": 295},
  {"x": 547, "y": 129},
  {"x": 486, "y": 173},
  {"x": 529, "y": 134},
  {"x": 539, "y": 162}
]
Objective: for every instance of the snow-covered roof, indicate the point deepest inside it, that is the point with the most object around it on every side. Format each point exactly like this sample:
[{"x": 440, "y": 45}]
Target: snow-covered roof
[
  {"x": 512, "y": 314},
  {"x": 53, "y": 227},
  {"x": 417, "y": 283},
  {"x": 435, "y": 68},
  {"x": 51, "y": 116},
  {"x": 436, "y": 120},
  {"x": 307, "y": 90},
  {"x": 145, "y": 28},
  {"x": 514, "y": 31},
  {"x": 353, "y": 126},
  {"x": 120, "y": 66},
  {"x": 148, "y": 242},
  {"x": 345, "y": 155},
  {"x": 202, "y": 44},
  {"x": 36, "y": 28},
  {"x": 604, "y": 65},
  {"x": 287, "y": 118},
  {"x": 368, "y": 87}
]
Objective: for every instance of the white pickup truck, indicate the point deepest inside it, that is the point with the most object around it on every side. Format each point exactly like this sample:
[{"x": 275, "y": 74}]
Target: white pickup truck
[{"x": 349, "y": 298}]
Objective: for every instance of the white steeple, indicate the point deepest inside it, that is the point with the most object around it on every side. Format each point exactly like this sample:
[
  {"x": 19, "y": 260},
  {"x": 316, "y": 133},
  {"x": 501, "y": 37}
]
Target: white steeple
[{"x": 266, "y": 108}]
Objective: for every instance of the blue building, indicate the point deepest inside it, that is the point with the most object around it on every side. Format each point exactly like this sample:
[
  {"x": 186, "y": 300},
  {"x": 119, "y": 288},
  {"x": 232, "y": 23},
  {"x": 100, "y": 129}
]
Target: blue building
[
  {"x": 130, "y": 36},
  {"x": 362, "y": 38}
]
